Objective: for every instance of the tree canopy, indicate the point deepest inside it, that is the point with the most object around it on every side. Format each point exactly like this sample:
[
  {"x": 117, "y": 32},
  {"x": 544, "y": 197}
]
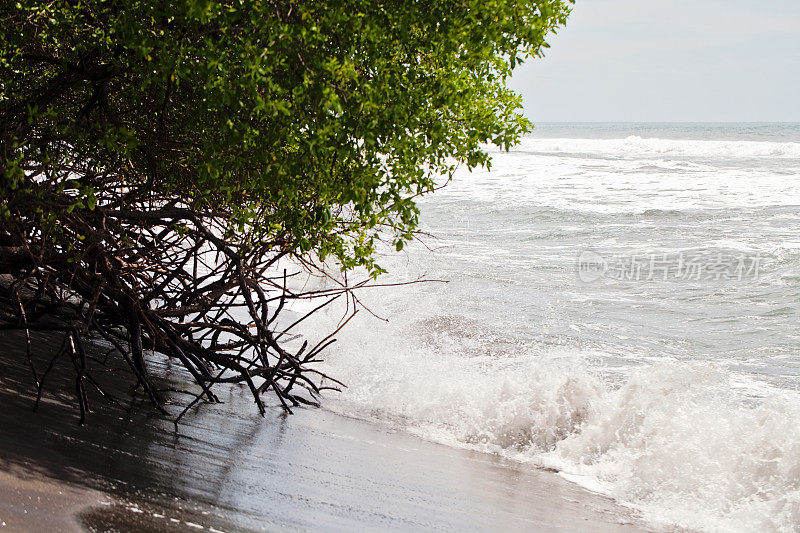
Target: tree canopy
[
  {"x": 157, "y": 157},
  {"x": 314, "y": 123}
]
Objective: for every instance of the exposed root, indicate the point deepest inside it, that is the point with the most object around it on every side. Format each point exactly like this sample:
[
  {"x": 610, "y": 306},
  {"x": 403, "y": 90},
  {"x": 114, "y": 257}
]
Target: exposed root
[{"x": 173, "y": 285}]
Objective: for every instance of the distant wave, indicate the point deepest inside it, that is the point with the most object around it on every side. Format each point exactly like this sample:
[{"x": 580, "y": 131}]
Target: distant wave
[{"x": 638, "y": 146}]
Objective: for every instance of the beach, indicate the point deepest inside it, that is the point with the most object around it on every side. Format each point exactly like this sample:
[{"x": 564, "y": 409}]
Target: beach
[
  {"x": 362, "y": 266},
  {"x": 228, "y": 469},
  {"x": 656, "y": 389}
]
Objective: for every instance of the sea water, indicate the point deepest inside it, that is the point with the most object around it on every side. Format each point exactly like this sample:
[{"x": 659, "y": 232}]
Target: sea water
[{"x": 622, "y": 303}]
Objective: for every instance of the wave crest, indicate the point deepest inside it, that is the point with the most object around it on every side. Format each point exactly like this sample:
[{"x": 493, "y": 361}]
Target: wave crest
[{"x": 635, "y": 146}]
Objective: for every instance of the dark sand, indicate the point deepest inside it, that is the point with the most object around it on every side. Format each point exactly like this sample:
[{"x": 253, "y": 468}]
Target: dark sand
[{"x": 228, "y": 469}]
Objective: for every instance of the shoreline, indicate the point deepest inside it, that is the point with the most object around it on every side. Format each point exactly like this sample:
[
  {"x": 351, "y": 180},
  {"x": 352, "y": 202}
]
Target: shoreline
[
  {"x": 228, "y": 469},
  {"x": 365, "y": 478}
]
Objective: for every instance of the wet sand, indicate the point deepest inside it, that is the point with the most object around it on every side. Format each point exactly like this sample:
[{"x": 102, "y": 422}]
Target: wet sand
[
  {"x": 40, "y": 504},
  {"x": 228, "y": 469}
]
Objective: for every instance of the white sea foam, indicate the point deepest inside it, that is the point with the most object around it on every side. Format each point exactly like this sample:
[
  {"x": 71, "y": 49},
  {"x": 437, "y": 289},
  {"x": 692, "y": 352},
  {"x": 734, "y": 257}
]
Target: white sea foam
[
  {"x": 675, "y": 439},
  {"x": 635, "y": 146}
]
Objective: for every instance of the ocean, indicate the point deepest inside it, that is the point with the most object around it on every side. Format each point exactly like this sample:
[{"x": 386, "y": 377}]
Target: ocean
[{"x": 621, "y": 304}]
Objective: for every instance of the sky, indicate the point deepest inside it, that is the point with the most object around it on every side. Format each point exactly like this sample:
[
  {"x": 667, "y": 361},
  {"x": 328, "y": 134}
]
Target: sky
[{"x": 669, "y": 60}]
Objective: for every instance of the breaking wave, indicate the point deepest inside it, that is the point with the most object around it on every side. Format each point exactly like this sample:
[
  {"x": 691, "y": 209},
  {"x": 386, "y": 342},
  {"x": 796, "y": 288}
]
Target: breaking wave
[{"x": 675, "y": 440}]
